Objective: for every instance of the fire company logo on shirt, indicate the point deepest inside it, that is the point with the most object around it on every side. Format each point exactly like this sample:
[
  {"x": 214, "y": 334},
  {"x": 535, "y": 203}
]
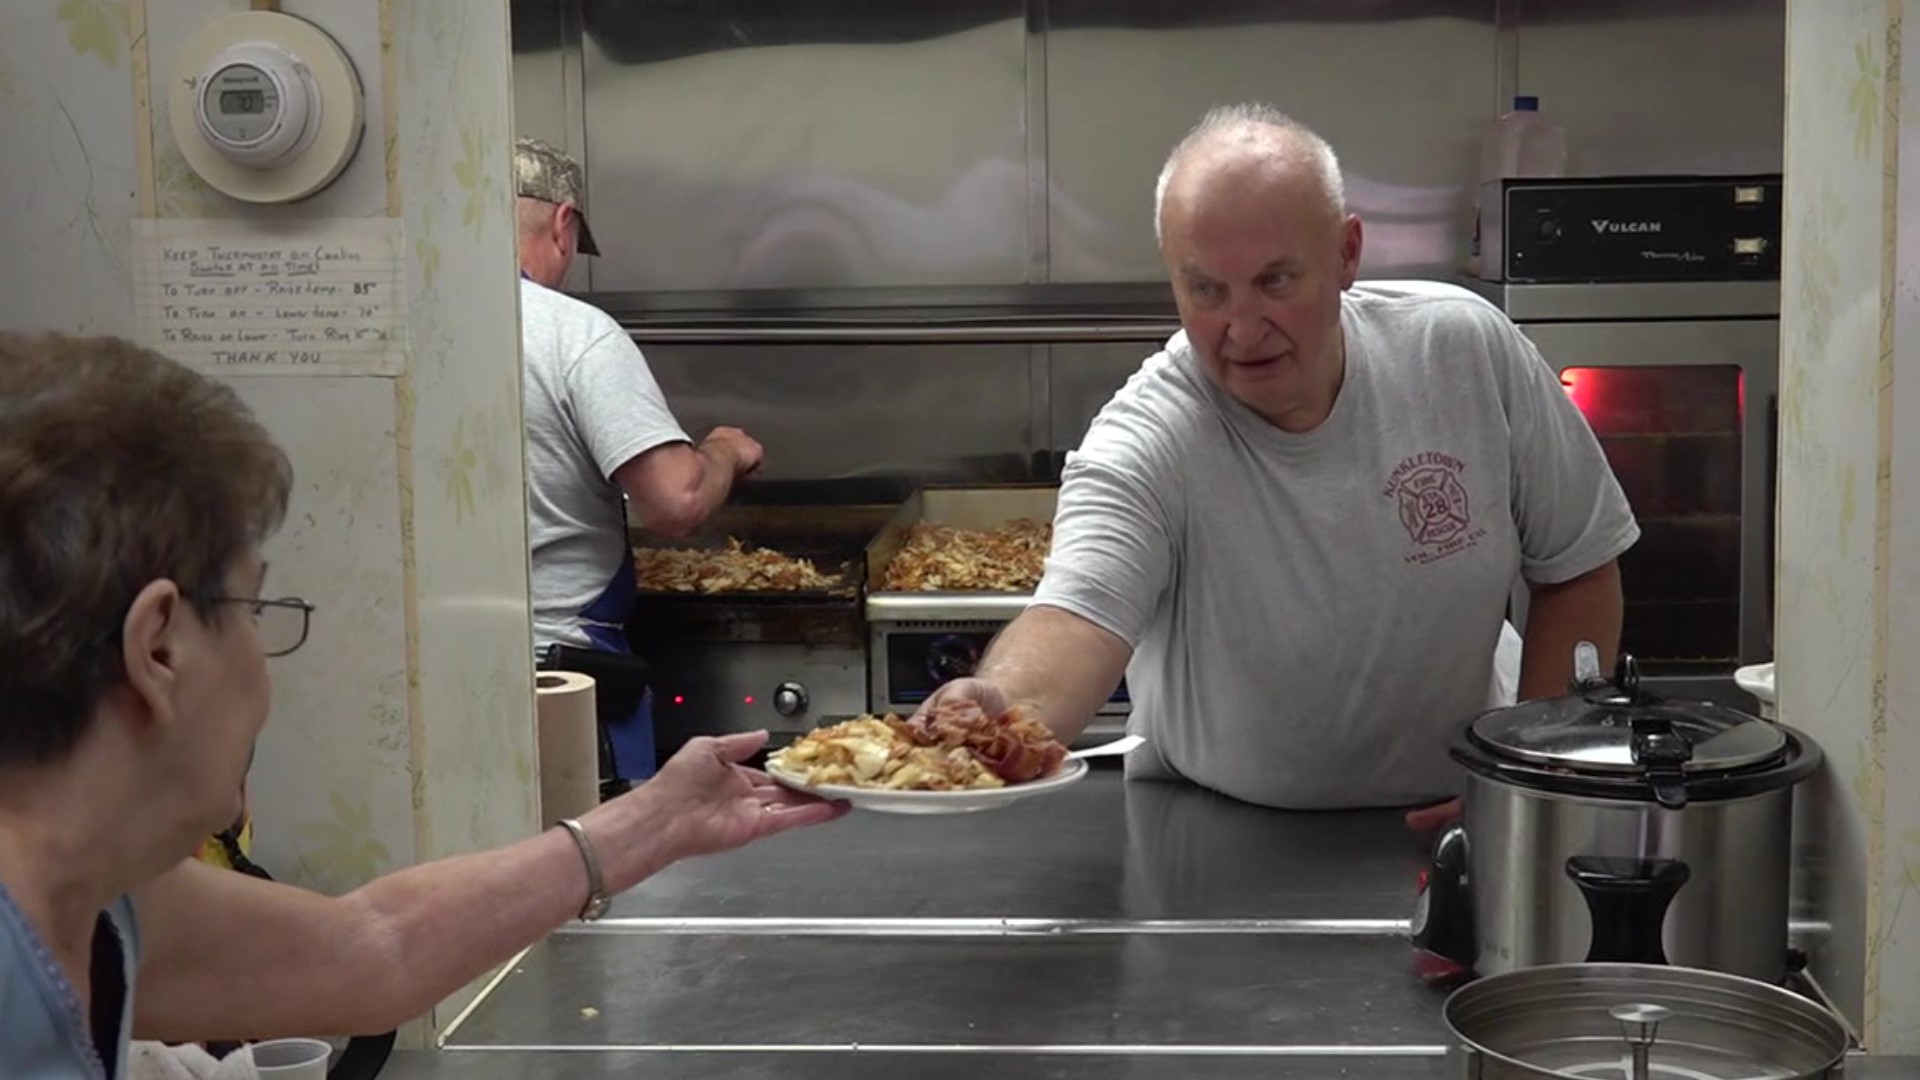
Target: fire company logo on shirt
[{"x": 1433, "y": 506}]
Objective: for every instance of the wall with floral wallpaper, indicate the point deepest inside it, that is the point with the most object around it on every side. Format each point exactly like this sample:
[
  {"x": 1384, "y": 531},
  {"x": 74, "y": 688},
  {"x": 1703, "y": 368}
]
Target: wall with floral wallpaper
[
  {"x": 1849, "y": 523},
  {"x": 403, "y": 729},
  {"x": 67, "y": 189}
]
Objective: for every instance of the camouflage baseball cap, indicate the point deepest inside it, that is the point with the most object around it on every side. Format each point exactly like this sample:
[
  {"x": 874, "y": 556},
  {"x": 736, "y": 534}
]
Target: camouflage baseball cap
[{"x": 543, "y": 171}]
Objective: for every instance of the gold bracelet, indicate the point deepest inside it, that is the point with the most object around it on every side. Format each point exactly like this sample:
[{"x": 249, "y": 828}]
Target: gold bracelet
[{"x": 597, "y": 899}]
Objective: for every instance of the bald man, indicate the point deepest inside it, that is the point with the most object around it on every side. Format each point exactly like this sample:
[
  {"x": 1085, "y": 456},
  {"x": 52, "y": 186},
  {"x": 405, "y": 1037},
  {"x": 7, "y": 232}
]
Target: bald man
[{"x": 1295, "y": 530}]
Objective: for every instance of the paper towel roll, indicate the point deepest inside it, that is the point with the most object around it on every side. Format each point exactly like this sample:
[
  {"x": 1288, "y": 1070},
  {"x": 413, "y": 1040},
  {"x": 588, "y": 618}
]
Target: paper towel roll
[{"x": 569, "y": 745}]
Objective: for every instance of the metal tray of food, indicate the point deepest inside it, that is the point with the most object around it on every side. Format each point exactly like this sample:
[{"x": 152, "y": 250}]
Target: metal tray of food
[
  {"x": 750, "y": 573},
  {"x": 759, "y": 555},
  {"x": 969, "y": 552}
]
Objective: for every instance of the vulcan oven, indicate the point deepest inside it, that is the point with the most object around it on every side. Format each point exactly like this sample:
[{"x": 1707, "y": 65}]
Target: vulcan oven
[{"x": 1657, "y": 301}]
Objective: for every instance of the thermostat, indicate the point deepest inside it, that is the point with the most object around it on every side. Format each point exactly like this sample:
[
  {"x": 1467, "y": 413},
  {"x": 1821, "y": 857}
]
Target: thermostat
[{"x": 266, "y": 107}]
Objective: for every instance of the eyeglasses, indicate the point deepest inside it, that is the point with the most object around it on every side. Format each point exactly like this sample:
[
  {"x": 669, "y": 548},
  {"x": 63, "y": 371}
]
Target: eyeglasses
[{"x": 282, "y": 624}]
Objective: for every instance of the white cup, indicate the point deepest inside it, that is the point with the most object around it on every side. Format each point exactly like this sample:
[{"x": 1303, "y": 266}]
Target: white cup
[{"x": 292, "y": 1059}]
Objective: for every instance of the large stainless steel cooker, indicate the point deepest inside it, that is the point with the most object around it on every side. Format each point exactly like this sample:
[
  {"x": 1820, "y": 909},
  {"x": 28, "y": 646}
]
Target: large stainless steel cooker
[
  {"x": 1638, "y": 1022},
  {"x": 1612, "y": 825}
]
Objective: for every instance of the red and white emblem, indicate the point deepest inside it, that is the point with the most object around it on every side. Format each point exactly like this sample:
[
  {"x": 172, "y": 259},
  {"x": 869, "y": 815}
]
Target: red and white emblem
[
  {"x": 1431, "y": 498},
  {"x": 1433, "y": 505}
]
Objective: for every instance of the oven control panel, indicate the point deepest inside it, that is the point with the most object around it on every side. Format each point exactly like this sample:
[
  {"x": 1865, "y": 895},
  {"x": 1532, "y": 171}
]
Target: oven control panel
[
  {"x": 1600, "y": 229},
  {"x": 747, "y": 686}
]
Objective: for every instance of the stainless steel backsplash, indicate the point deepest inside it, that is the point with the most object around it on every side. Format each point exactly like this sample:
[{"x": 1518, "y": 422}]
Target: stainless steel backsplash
[{"x": 942, "y": 162}]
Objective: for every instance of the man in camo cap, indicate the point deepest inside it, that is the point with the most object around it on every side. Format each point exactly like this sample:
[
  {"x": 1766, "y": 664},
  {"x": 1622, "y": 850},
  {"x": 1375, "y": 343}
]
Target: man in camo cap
[
  {"x": 601, "y": 443},
  {"x": 549, "y": 184}
]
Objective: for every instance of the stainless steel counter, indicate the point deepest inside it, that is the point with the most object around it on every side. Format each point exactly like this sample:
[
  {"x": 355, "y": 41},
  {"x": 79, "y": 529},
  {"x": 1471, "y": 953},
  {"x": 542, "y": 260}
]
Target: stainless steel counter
[{"x": 1114, "y": 930}]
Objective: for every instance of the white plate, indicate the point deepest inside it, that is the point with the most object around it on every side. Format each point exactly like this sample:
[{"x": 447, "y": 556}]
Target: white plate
[{"x": 936, "y": 802}]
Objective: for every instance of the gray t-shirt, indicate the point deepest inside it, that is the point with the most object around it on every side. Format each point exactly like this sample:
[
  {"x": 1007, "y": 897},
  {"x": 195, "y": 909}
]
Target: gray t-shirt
[
  {"x": 1314, "y": 615},
  {"x": 591, "y": 405}
]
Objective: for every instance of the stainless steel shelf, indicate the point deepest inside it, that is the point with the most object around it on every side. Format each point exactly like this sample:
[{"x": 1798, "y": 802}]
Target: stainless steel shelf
[{"x": 899, "y": 333}]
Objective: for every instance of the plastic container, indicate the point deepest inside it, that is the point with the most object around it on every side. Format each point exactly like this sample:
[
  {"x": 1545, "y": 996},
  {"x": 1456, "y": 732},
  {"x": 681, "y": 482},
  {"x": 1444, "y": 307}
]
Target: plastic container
[{"x": 1522, "y": 142}]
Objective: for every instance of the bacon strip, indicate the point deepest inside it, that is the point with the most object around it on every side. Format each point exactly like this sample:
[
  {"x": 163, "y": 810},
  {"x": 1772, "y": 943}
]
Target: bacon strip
[{"x": 1014, "y": 745}]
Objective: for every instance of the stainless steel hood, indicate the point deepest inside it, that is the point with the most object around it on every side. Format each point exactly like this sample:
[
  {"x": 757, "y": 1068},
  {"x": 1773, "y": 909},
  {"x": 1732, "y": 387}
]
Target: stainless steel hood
[{"x": 814, "y": 154}]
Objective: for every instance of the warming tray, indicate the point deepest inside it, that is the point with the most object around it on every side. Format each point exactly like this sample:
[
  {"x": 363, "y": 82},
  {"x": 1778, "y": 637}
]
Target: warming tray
[
  {"x": 966, "y": 507},
  {"x": 830, "y": 536}
]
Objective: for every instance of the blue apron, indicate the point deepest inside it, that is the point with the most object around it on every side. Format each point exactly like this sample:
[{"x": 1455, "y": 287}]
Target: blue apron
[{"x": 629, "y": 726}]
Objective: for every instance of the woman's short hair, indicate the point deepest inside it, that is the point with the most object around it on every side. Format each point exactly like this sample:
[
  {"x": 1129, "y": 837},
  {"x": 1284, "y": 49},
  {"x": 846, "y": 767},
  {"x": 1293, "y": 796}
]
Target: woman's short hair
[{"x": 118, "y": 468}]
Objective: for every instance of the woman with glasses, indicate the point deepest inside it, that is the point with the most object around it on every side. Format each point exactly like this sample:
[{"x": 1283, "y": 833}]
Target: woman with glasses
[{"x": 135, "y": 622}]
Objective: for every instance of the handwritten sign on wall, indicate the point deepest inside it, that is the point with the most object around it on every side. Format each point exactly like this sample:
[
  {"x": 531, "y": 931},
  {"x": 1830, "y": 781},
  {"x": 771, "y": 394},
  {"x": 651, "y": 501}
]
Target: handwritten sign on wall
[{"x": 288, "y": 296}]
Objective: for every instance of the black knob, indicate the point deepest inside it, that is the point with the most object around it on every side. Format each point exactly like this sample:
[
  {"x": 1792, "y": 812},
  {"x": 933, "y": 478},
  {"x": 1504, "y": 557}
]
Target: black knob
[
  {"x": 951, "y": 657},
  {"x": 1549, "y": 229},
  {"x": 789, "y": 699}
]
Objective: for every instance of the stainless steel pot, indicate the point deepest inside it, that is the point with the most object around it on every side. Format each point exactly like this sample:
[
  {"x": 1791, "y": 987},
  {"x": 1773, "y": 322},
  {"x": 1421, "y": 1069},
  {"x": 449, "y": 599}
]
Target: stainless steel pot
[
  {"x": 1611, "y": 825},
  {"x": 1638, "y": 1022}
]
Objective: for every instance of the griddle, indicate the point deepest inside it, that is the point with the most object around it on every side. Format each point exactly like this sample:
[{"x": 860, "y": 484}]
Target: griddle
[{"x": 833, "y": 537}]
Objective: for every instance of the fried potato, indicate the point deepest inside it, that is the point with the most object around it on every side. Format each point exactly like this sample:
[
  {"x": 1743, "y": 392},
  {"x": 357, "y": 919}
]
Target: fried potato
[
  {"x": 736, "y": 568},
  {"x": 943, "y": 558},
  {"x": 956, "y": 746},
  {"x": 871, "y": 752}
]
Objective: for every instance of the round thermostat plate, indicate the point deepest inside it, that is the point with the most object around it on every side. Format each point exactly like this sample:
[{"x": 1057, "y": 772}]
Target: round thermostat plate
[{"x": 341, "y": 103}]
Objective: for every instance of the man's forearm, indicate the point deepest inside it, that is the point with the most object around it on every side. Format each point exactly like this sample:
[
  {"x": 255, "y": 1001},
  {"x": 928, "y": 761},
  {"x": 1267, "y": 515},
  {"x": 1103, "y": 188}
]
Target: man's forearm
[
  {"x": 1058, "y": 662},
  {"x": 1560, "y": 617},
  {"x": 718, "y": 468}
]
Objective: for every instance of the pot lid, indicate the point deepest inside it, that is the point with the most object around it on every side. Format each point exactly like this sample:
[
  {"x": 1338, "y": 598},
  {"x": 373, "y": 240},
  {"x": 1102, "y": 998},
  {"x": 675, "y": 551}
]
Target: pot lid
[
  {"x": 1628, "y": 1022},
  {"x": 1612, "y": 726}
]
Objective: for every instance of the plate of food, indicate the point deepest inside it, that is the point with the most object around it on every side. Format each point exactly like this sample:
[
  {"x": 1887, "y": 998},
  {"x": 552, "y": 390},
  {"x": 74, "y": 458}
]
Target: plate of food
[{"x": 953, "y": 760}]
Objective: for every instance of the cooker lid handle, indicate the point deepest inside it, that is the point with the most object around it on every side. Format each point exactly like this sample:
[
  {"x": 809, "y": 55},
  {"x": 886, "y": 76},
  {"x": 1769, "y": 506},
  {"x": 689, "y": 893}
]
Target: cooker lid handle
[
  {"x": 1626, "y": 675},
  {"x": 1639, "y": 1026},
  {"x": 1622, "y": 689},
  {"x": 1664, "y": 754}
]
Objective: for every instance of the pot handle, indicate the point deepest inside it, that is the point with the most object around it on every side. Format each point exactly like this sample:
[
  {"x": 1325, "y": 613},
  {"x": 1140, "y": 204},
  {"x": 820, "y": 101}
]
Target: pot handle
[
  {"x": 1627, "y": 899},
  {"x": 1443, "y": 921}
]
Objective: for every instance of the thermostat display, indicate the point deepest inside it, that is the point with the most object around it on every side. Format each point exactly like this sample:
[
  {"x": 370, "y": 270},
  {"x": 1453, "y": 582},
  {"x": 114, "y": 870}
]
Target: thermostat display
[
  {"x": 240, "y": 102},
  {"x": 245, "y": 103}
]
